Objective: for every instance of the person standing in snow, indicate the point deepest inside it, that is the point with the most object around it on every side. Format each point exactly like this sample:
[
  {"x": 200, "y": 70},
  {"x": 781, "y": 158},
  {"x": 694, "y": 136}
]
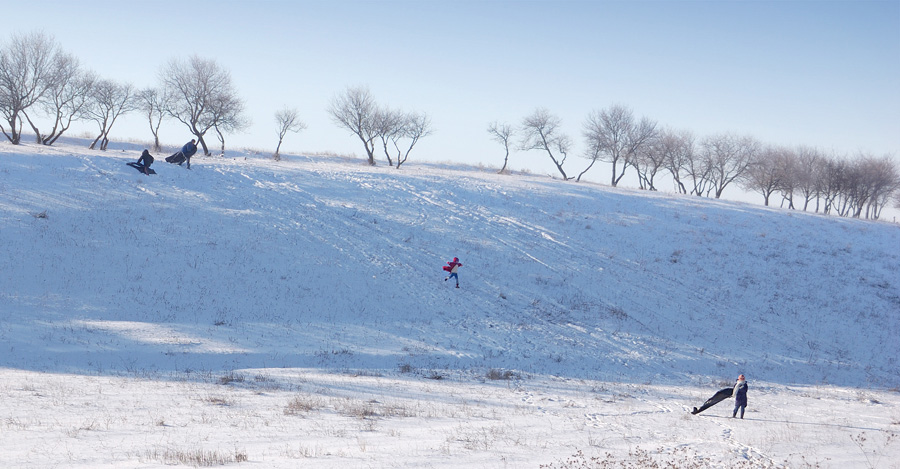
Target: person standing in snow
[
  {"x": 453, "y": 267},
  {"x": 740, "y": 396},
  {"x": 184, "y": 155}
]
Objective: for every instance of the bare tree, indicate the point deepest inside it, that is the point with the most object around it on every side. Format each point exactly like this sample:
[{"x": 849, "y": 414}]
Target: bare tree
[
  {"x": 227, "y": 115},
  {"x": 887, "y": 184},
  {"x": 389, "y": 126},
  {"x": 356, "y": 111},
  {"x": 615, "y": 137},
  {"x": 699, "y": 169},
  {"x": 416, "y": 125},
  {"x": 109, "y": 100},
  {"x": 541, "y": 132},
  {"x": 832, "y": 181},
  {"x": 728, "y": 157},
  {"x": 68, "y": 98},
  {"x": 203, "y": 98},
  {"x": 288, "y": 120},
  {"x": 649, "y": 159},
  {"x": 64, "y": 68},
  {"x": 26, "y": 75},
  {"x": 154, "y": 103},
  {"x": 857, "y": 187},
  {"x": 875, "y": 182},
  {"x": 766, "y": 174},
  {"x": 854, "y": 191},
  {"x": 501, "y": 133},
  {"x": 791, "y": 176},
  {"x": 806, "y": 173},
  {"x": 678, "y": 150},
  {"x": 897, "y": 198}
]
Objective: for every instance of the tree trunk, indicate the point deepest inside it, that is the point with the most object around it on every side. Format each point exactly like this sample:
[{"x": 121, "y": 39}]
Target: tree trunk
[
  {"x": 221, "y": 139},
  {"x": 14, "y": 138},
  {"x": 203, "y": 145},
  {"x": 386, "y": 153},
  {"x": 578, "y": 179},
  {"x": 277, "y": 156},
  {"x": 37, "y": 133},
  {"x": 616, "y": 179},
  {"x": 17, "y": 134}
]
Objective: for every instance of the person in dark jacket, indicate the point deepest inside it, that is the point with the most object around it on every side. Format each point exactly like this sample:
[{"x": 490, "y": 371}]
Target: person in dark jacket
[
  {"x": 184, "y": 155},
  {"x": 740, "y": 396},
  {"x": 145, "y": 161}
]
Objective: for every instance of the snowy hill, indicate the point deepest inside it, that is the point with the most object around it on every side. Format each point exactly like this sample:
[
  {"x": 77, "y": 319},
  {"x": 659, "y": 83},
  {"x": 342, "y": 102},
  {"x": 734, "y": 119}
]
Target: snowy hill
[{"x": 321, "y": 274}]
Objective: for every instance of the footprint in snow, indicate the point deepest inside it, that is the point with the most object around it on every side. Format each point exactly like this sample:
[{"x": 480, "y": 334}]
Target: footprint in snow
[{"x": 593, "y": 420}]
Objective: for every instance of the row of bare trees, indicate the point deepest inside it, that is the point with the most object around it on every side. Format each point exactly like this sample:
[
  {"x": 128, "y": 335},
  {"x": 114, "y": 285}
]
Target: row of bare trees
[
  {"x": 47, "y": 87},
  {"x": 396, "y": 131},
  {"x": 41, "y": 83},
  {"x": 804, "y": 176},
  {"x": 39, "y": 79},
  {"x": 856, "y": 187}
]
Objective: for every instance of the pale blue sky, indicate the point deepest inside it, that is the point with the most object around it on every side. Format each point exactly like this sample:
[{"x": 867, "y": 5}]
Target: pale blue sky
[{"x": 822, "y": 73}]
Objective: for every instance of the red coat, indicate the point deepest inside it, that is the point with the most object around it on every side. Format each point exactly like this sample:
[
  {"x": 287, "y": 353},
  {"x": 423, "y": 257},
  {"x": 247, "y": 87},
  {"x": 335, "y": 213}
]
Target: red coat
[{"x": 452, "y": 264}]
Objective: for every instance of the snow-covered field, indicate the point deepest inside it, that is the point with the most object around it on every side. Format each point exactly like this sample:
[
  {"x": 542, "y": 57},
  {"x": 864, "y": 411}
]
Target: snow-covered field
[{"x": 289, "y": 314}]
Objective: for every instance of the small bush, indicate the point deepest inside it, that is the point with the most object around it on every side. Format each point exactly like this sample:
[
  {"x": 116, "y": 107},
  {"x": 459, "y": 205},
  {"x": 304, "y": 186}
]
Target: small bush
[
  {"x": 496, "y": 375},
  {"x": 216, "y": 400},
  {"x": 196, "y": 458},
  {"x": 231, "y": 378},
  {"x": 616, "y": 312},
  {"x": 301, "y": 405}
]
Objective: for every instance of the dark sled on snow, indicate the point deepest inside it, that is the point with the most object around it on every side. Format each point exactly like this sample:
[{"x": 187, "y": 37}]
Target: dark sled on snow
[
  {"x": 140, "y": 168},
  {"x": 177, "y": 158},
  {"x": 718, "y": 397}
]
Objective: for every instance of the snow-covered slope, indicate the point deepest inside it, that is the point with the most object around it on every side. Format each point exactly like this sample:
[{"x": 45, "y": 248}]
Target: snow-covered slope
[{"x": 327, "y": 264}]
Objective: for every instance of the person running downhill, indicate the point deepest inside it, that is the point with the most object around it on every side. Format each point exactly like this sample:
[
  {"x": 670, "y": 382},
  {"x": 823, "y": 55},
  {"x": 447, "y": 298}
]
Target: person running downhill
[{"x": 453, "y": 267}]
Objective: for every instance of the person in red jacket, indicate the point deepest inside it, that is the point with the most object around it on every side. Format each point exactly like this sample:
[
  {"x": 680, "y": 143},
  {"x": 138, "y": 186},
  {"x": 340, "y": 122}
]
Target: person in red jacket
[{"x": 453, "y": 267}]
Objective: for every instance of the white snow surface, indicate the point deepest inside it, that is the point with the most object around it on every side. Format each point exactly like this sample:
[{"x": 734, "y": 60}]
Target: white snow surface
[{"x": 293, "y": 313}]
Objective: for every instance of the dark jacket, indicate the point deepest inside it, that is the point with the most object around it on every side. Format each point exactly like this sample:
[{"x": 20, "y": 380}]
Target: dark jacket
[
  {"x": 740, "y": 393},
  {"x": 146, "y": 159},
  {"x": 189, "y": 149}
]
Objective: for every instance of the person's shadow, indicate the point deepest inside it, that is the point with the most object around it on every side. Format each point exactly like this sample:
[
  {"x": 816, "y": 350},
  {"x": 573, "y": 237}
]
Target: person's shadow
[{"x": 792, "y": 422}]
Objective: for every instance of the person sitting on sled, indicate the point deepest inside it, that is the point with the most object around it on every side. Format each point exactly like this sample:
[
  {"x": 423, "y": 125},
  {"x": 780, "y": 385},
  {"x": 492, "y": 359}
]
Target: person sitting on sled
[
  {"x": 145, "y": 161},
  {"x": 184, "y": 155},
  {"x": 453, "y": 267}
]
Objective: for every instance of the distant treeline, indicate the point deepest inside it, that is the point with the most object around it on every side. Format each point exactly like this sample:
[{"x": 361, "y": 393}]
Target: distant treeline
[
  {"x": 805, "y": 177},
  {"x": 47, "y": 88}
]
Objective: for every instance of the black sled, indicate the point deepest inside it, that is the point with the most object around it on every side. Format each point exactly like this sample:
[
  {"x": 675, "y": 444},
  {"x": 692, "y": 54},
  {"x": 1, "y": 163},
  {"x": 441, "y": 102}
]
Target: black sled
[
  {"x": 141, "y": 168},
  {"x": 177, "y": 158},
  {"x": 718, "y": 397}
]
